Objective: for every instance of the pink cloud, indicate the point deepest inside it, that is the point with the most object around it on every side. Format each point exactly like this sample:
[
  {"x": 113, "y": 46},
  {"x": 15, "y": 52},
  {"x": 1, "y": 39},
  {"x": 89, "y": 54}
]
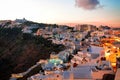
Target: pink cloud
[{"x": 88, "y": 4}]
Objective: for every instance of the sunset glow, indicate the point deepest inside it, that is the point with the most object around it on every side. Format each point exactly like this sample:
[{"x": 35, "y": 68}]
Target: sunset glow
[{"x": 98, "y": 12}]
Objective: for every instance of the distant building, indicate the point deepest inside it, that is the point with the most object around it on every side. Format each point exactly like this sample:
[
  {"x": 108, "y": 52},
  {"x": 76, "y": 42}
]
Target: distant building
[
  {"x": 97, "y": 33},
  {"x": 85, "y": 27},
  {"x": 104, "y": 27},
  {"x": 26, "y": 30},
  {"x": 21, "y": 20}
]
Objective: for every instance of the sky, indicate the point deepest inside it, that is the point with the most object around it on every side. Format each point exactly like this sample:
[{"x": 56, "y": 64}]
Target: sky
[{"x": 98, "y": 12}]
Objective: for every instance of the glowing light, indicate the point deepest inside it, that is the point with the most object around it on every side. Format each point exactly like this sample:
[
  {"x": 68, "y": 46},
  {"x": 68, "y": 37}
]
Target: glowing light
[{"x": 113, "y": 64}]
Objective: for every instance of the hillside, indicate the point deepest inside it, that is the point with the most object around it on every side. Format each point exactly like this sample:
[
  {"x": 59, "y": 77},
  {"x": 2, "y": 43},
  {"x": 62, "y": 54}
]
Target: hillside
[{"x": 20, "y": 51}]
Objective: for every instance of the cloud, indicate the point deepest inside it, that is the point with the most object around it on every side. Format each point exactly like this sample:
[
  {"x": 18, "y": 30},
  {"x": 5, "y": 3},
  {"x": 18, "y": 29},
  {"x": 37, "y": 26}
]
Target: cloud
[{"x": 88, "y": 4}]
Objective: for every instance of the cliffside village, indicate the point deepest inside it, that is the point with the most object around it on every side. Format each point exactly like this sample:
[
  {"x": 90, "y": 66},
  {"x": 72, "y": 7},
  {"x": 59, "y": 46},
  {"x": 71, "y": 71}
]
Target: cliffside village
[{"x": 86, "y": 45}]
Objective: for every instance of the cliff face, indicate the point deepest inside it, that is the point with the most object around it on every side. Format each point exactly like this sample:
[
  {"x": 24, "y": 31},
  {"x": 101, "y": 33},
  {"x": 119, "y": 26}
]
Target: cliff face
[{"x": 20, "y": 51}]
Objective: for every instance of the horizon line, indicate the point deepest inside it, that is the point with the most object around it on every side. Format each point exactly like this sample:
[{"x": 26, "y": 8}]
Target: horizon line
[{"x": 71, "y": 24}]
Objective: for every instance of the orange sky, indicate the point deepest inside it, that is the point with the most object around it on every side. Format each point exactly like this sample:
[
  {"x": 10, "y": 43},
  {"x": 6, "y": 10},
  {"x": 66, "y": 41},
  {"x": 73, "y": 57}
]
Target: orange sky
[
  {"x": 98, "y": 12},
  {"x": 110, "y": 24}
]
